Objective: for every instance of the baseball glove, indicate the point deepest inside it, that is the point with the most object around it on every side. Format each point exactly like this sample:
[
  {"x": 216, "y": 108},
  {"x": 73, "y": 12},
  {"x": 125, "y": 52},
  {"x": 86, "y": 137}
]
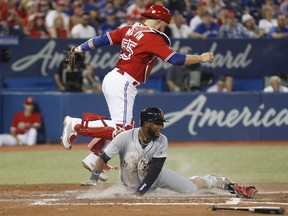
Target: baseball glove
[{"x": 73, "y": 58}]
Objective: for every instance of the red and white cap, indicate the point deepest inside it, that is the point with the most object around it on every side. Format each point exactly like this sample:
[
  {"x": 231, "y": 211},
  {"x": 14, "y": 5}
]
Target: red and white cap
[{"x": 29, "y": 101}]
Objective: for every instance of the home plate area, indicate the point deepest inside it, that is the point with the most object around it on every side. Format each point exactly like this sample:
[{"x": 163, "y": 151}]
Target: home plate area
[{"x": 112, "y": 199}]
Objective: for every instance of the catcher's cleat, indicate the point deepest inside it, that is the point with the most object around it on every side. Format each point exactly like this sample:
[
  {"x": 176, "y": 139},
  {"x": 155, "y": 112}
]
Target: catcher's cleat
[
  {"x": 68, "y": 136},
  {"x": 242, "y": 191},
  {"x": 89, "y": 183}
]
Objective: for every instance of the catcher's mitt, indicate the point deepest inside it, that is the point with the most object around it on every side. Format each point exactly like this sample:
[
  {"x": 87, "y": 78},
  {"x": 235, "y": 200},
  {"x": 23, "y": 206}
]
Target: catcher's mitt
[{"x": 73, "y": 57}]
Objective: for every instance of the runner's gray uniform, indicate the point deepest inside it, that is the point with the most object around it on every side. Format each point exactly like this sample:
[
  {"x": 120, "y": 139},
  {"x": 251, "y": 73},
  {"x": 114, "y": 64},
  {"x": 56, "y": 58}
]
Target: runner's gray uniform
[{"x": 134, "y": 162}]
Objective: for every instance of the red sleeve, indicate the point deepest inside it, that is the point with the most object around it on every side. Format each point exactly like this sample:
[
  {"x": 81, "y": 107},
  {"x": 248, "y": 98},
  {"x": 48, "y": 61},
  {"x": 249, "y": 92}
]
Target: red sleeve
[
  {"x": 117, "y": 35},
  {"x": 3, "y": 11},
  {"x": 15, "y": 120},
  {"x": 160, "y": 48}
]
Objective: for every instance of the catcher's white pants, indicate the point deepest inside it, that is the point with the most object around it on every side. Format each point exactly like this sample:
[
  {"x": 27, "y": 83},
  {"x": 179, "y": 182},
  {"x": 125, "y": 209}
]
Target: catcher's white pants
[
  {"x": 29, "y": 138},
  {"x": 119, "y": 93}
]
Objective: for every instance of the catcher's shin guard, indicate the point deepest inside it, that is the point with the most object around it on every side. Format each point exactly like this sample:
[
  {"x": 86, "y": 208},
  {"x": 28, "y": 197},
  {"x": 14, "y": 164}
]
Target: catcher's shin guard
[
  {"x": 104, "y": 132},
  {"x": 96, "y": 145}
]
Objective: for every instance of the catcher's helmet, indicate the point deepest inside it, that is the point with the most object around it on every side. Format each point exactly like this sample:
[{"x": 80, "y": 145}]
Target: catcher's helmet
[
  {"x": 152, "y": 114},
  {"x": 157, "y": 12}
]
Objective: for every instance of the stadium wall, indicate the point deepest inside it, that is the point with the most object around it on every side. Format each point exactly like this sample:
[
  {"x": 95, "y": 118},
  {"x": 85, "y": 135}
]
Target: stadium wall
[{"x": 192, "y": 116}]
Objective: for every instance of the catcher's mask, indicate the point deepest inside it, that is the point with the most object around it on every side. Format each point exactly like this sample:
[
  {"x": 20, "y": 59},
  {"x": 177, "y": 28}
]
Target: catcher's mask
[
  {"x": 157, "y": 12},
  {"x": 152, "y": 114}
]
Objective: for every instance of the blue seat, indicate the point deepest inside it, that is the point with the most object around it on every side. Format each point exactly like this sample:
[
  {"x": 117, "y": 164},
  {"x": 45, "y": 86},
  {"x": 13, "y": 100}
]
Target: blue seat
[{"x": 32, "y": 83}]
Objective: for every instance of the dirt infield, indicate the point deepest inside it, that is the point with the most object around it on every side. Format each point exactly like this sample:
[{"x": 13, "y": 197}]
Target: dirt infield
[
  {"x": 78, "y": 200},
  {"x": 75, "y": 200}
]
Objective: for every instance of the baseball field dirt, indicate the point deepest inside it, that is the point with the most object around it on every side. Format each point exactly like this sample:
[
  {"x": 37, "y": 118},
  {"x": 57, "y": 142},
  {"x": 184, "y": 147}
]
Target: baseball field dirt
[{"x": 112, "y": 199}]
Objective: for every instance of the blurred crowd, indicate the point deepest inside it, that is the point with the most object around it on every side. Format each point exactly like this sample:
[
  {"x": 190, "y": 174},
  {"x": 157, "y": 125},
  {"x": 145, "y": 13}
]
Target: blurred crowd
[{"x": 191, "y": 18}]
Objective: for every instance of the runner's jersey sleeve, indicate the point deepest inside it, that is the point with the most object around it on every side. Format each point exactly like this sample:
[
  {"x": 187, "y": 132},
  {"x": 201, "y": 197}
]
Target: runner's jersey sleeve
[
  {"x": 140, "y": 46},
  {"x": 162, "y": 147},
  {"x": 118, "y": 144}
]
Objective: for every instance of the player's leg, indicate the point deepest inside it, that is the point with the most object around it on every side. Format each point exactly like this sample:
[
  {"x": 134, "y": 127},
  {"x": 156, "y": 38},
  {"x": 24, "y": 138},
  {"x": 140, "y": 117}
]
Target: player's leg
[
  {"x": 7, "y": 140},
  {"x": 96, "y": 146},
  {"x": 120, "y": 95},
  {"x": 210, "y": 181},
  {"x": 169, "y": 179},
  {"x": 30, "y": 137},
  {"x": 213, "y": 181},
  {"x": 89, "y": 162},
  {"x": 94, "y": 128}
]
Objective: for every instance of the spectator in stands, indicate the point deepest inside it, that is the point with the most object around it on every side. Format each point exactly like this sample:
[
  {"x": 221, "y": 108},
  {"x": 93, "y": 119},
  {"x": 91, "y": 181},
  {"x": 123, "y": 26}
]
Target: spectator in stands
[
  {"x": 94, "y": 19},
  {"x": 187, "y": 78},
  {"x": 284, "y": 7},
  {"x": 11, "y": 21},
  {"x": 221, "y": 17},
  {"x": 275, "y": 85},
  {"x": 109, "y": 24},
  {"x": 39, "y": 30},
  {"x": 83, "y": 30},
  {"x": 76, "y": 17},
  {"x": 229, "y": 81},
  {"x": 120, "y": 9},
  {"x": 24, "y": 127},
  {"x": 219, "y": 86},
  {"x": 214, "y": 6},
  {"x": 136, "y": 8},
  {"x": 280, "y": 31},
  {"x": 268, "y": 21},
  {"x": 253, "y": 7},
  {"x": 180, "y": 6},
  {"x": 197, "y": 19},
  {"x": 106, "y": 7},
  {"x": 3, "y": 18},
  {"x": 234, "y": 29},
  {"x": 59, "y": 7},
  {"x": 91, "y": 82},
  {"x": 58, "y": 30},
  {"x": 183, "y": 78},
  {"x": 81, "y": 80},
  {"x": 30, "y": 8},
  {"x": 249, "y": 22},
  {"x": 130, "y": 21},
  {"x": 274, "y": 4},
  {"x": 207, "y": 29},
  {"x": 14, "y": 25},
  {"x": 43, "y": 7},
  {"x": 178, "y": 27}
]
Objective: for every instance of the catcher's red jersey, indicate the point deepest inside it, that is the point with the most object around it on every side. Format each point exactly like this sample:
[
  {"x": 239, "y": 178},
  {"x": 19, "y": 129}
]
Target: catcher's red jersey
[
  {"x": 22, "y": 123},
  {"x": 140, "y": 46}
]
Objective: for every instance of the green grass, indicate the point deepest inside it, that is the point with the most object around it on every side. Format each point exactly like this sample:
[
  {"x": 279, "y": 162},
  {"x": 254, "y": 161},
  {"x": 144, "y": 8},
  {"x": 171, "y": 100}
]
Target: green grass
[{"x": 249, "y": 164}]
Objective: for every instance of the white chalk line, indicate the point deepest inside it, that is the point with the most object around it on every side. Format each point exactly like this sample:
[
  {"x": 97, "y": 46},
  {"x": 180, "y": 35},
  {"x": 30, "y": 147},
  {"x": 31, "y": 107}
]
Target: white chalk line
[
  {"x": 61, "y": 201},
  {"x": 42, "y": 203}
]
